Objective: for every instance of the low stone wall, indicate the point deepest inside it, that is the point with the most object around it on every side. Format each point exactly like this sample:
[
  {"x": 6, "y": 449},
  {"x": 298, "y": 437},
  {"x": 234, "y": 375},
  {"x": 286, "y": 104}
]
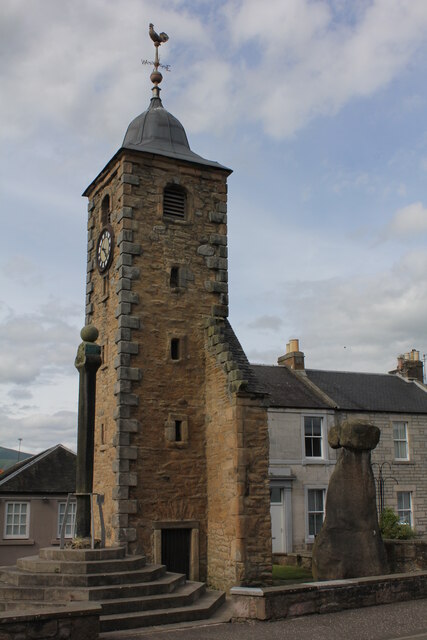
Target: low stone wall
[
  {"x": 324, "y": 597},
  {"x": 71, "y": 622},
  {"x": 406, "y": 555}
]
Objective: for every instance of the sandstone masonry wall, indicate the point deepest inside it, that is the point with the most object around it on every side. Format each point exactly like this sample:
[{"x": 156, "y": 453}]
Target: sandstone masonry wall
[{"x": 239, "y": 528}]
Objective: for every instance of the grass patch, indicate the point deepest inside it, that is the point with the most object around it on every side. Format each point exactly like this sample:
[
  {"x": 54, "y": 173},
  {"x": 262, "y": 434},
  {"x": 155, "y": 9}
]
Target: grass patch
[{"x": 291, "y": 574}]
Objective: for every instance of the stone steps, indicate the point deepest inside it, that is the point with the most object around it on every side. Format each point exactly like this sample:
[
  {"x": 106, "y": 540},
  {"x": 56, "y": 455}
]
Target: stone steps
[
  {"x": 186, "y": 594},
  {"x": 203, "y": 608},
  {"x": 21, "y": 578},
  {"x": 36, "y": 564},
  {"x": 131, "y": 593}
]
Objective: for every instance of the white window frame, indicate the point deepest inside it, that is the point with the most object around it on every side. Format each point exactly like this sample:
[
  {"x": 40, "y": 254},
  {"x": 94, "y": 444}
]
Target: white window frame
[
  {"x": 13, "y": 504},
  {"x": 409, "y": 510},
  {"x": 399, "y": 440},
  {"x": 322, "y": 438},
  {"x": 71, "y": 516},
  {"x": 309, "y": 538}
]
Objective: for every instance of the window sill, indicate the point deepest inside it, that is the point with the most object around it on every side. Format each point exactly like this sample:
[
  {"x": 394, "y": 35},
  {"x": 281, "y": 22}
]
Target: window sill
[
  {"x": 16, "y": 541},
  {"x": 319, "y": 461},
  {"x": 409, "y": 462}
]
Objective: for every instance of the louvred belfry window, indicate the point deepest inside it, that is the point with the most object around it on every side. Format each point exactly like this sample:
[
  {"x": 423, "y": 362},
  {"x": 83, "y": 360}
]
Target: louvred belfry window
[{"x": 174, "y": 202}]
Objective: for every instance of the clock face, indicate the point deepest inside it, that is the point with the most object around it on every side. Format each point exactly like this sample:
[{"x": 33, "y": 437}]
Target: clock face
[{"x": 104, "y": 250}]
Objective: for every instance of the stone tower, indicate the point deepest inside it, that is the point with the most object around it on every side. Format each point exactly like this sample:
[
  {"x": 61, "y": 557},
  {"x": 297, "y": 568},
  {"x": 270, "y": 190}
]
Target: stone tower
[{"x": 181, "y": 441}]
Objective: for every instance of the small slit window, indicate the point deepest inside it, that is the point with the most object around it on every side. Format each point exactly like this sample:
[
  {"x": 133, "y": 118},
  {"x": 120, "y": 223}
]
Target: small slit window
[
  {"x": 174, "y": 200},
  {"x": 174, "y": 277},
  {"x": 178, "y": 430},
  {"x": 175, "y": 349},
  {"x": 105, "y": 210}
]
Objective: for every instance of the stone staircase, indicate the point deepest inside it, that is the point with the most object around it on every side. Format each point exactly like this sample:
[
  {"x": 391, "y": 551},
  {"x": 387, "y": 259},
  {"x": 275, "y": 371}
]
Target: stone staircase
[{"x": 131, "y": 593}]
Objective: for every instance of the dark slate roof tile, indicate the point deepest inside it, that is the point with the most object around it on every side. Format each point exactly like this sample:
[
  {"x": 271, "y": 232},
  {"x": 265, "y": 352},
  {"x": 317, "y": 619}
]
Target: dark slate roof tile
[
  {"x": 286, "y": 388},
  {"x": 370, "y": 391},
  {"x": 52, "y": 471}
]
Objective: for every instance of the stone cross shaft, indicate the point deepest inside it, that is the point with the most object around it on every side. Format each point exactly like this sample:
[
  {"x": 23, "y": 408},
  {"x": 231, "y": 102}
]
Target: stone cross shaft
[{"x": 88, "y": 361}]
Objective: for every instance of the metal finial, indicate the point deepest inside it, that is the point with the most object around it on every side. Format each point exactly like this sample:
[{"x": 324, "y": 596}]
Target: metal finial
[{"x": 156, "y": 77}]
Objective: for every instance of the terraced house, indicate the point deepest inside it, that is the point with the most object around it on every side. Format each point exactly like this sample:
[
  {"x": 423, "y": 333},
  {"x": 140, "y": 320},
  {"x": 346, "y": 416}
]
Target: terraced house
[{"x": 305, "y": 403}]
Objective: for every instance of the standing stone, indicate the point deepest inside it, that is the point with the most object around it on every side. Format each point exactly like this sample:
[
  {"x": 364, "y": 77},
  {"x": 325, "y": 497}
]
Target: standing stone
[
  {"x": 349, "y": 544},
  {"x": 88, "y": 361}
]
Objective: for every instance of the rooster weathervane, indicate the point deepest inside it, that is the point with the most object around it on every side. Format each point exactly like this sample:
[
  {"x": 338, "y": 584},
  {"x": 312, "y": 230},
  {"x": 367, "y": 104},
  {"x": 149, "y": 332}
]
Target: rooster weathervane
[{"x": 158, "y": 39}]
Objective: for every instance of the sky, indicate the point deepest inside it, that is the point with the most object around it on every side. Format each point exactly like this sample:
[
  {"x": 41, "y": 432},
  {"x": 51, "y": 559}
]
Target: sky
[{"x": 320, "y": 109}]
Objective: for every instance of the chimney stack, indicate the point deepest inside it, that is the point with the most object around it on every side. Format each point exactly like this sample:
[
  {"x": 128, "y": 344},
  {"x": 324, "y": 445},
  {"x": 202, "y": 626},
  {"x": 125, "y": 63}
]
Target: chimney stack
[
  {"x": 410, "y": 366},
  {"x": 293, "y": 358}
]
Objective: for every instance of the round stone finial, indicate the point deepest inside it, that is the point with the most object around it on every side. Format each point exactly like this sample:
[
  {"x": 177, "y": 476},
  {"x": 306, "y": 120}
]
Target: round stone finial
[
  {"x": 156, "y": 77},
  {"x": 89, "y": 333}
]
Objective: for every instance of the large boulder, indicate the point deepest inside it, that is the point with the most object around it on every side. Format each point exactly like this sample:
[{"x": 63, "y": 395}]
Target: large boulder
[{"x": 349, "y": 544}]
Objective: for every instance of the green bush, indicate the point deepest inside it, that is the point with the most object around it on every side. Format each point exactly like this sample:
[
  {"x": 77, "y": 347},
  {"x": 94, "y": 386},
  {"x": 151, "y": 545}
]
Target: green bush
[{"x": 391, "y": 528}]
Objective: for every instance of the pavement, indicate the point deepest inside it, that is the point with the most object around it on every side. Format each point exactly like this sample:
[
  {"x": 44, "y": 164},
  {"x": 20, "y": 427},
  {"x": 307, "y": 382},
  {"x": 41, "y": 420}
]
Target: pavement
[{"x": 397, "y": 621}]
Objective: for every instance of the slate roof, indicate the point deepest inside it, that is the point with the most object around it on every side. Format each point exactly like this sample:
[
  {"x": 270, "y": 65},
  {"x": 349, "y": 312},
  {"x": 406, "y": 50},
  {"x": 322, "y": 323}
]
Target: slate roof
[
  {"x": 286, "y": 388},
  {"x": 348, "y": 391},
  {"x": 370, "y": 391},
  {"x": 52, "y": 471}
]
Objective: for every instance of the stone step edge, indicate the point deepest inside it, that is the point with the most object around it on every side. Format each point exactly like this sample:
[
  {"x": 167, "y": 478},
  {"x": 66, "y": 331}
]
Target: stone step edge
[
  {"x": 207, "y": 604},
  {"x": 82, "y": 554},
  {"x": 16, "y": 571},
  {"x": 64, "y": 564},
  {"x": 168, "y": 579},
  {"x": 186, "y": 590}
]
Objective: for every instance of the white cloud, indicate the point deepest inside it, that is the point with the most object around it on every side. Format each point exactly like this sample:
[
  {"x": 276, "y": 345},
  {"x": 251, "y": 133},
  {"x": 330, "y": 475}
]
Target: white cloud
[
  {"x": 408, "y": 221},
  {"x": 312, "y": 64},
  {"x": 363, "y": 323},
  {"x": 266, "y": 323},
  {"x": 37, "y": 344},
  {"x": 38, "y": 431},
  {"x": 280, "y": 64}
]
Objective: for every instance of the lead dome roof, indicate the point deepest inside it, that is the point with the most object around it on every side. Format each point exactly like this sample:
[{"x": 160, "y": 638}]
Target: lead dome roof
[{"x": 158, "y": 131}]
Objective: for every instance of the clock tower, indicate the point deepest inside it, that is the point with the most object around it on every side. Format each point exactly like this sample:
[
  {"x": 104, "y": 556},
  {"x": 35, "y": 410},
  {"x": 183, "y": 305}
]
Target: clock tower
[{"x": 181, "y": 440}]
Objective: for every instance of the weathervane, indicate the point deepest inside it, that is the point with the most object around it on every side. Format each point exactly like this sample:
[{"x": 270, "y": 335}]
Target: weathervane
[{"x": 156, "y": 77}]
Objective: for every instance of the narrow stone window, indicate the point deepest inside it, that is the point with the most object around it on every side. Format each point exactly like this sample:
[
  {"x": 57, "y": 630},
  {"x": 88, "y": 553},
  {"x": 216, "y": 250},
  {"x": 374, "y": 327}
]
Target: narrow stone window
[
  {"x": 174, "y": 201},
  {"x": 105, "y": 287},
  {"x": 174, "y": 277},
  {"x": 102, "y": 433},
  {"x": 175, "y": 349},
  {"x": 105, "y": 210},
  {"x": 178, "y": 430}
]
